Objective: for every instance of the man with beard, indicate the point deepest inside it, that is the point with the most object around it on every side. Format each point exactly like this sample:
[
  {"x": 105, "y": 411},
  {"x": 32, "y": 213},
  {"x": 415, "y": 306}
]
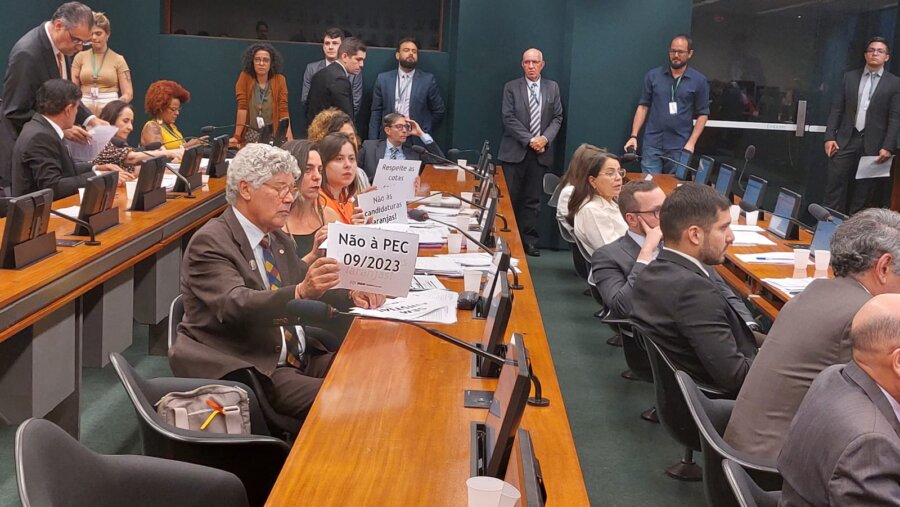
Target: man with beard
[
  {"x": 676, "y": 303},
  {"x": 409, "y": 91},
  {"x": 672, "y": 97}
]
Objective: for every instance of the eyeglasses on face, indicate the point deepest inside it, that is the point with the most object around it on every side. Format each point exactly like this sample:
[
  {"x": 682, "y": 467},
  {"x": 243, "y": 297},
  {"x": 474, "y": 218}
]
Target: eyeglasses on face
[
  {"x": 876, "y": 51},
  {"x": 401, "y": 126},
  {"x": 678, "y": 52},
  {"x": 612, "y": 173},
  {"x": 654, "y": 212},
  {"x": 283, "y": 190}
]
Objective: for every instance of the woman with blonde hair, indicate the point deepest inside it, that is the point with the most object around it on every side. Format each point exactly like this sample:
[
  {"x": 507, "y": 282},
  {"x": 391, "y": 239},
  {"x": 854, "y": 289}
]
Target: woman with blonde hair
[{"x": 101, "y": 73}]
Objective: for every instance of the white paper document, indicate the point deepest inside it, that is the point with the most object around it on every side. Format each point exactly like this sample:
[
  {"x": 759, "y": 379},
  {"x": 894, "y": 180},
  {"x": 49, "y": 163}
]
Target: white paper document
[
  {"x": 373, "y": 260},
  {"x": 870, "y": 168},
  {"x": 438, "y": 266},
  {"x": 426, "y": 282},
  {"x": 100, "y": 137},
  {"x": 384, "y": 205},
  {"x": 786, "y": 258},
  {"x": 445, "y": 167},
  {"x": 790, "y": 286},
  {"x": 750, "y": 238},
  {"x": 71, "y": 211},
  {"x": 435, "y": 306},
  {"x": 746, "y": 228},
  {"x": 437, "y": 210},
  {"x": 399, "y": 175}
]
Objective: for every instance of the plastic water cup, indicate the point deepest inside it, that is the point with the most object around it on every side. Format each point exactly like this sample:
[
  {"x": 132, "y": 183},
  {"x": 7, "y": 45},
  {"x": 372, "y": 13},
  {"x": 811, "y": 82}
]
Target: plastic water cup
[
  {"x": 463, "y": 162},
  {"x": 484, "y": 491},
  {"x": 454, "y": 242},
  {"x": 467, "y": 196},
  {"x": 130, "y": 187},
  {"x": 752, "y": 217},
  {"x": 462, "y": 221},
  {"x": 735, "y": 211},
  {"x": 460, "y": 176},
  {"x": 823, "y": 259},
  {"x": 472, "y": 280},
  {"x": 801, "y": 258},
  {"x": 81, "y": 195},
  {"x": 509, "y": 496}
]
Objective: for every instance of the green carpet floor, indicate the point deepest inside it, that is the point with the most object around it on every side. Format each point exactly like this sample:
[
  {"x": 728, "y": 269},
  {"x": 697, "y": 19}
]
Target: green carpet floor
[{"x": 622, "y": 456}]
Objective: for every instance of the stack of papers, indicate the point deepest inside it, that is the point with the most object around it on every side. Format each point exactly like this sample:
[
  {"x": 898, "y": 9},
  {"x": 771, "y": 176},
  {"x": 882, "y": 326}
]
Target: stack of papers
[
  {"x": 790, "y": 286},
  {"x": 769, "y": 258},
  {"x": 751, "y": 238},
  {"x": 429, "y": 234},
  {"x": 478, "y": 259},
  {"x": 426, "y": 282},
  {"x": 437, "y": 199},
  {"x": 746, "y": 228},
  {"x": 438, "y": 266},
  {"x": 435, "y": 306}
]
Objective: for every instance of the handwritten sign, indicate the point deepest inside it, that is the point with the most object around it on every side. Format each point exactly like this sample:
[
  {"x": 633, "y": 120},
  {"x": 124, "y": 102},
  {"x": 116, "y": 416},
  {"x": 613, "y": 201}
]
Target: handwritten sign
[
  {"x": 384, "y": 206},
  {"x": 373, "y": 260},
  {"x": 399, "y": 175}
]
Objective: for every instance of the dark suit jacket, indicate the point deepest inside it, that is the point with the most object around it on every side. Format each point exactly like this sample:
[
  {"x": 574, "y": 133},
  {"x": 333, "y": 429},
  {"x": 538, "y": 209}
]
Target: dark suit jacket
[
  {"x": 882, "y": 118},
  {"x": 41, "y": 160},
  {"x": 843, "y": 447},
  {"x": 228, "y": 312},
  {"x": 517, "y": 120},
  {"x": 30, "y": 63},
  {"x": 811, "y": 333},
  {"x": 425, "y": 103},
  {"x": 680, "y": 308},
  {"x": 614, "y": 269},
  {"x": 330, "y": 87},
  {"x": 356, "y": 82},
  {"x": 372, "y": 151}
]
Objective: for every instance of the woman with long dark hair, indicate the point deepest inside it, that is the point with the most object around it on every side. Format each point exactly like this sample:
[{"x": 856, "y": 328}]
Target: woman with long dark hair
[{"x": 593, "y": 209}]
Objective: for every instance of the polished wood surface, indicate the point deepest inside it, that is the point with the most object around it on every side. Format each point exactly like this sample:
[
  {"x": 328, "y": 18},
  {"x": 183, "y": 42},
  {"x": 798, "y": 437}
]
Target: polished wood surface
[
  {"x": 746, "y": 278},
  {"x": 389, "y": 426},
  {"x": 31, "y": 293}
]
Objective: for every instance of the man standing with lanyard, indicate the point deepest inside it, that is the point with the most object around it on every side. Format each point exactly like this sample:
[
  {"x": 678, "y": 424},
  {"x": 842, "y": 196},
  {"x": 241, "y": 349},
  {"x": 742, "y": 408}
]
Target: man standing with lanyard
[
  {"x": 672, "y": 98},
  {"x": 864, "y": 120}
]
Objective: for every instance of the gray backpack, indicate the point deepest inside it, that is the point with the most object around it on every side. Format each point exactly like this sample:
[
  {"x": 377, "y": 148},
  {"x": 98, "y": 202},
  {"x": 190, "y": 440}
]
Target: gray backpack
[{"x": 211, "y": 408}]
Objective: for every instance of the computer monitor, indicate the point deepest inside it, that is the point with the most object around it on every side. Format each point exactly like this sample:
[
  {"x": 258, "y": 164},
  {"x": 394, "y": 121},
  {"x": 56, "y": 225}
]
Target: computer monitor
[
  {"x": 499, "y": 263},
  {"x": 99, "y": 196},
  {"x": 507, "y": 407},
  {"x": 495, "y": 328},
  {"x": 27, "y": 218},
  {"x": 681, "y": 172},
  {"x": 704, "y": 170},
  {"x": 148, "y": 192},
  {"x": 265, "y": 134},
  {"x": 725, "y": 180},
  {"x": 754, "y": 191},
  {"x": 484, "y": 192},
  {"x": 528, "y": 473},
  {"x": 822, "y": 236},
  {"x": 190, "y": 169},
  {"x": 782, "y": 223},
  {"x": 486, "y": 221},
  {"x": 217, "y": 166}
]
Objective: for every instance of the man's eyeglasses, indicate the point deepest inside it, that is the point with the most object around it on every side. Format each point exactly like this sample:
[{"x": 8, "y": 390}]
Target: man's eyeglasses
[
  {"x": 283, "y": 190},
  {"x": 401, "y": 126},
  {"x": 654, "y": 212},
  {"x": 678, "y": 52},
  {"x": 876, "y": 51},
  {"x": 75, "y": 40}
]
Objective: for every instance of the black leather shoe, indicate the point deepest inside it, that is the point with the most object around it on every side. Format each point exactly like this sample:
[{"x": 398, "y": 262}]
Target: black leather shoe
[{"x": 532, "y": 251}]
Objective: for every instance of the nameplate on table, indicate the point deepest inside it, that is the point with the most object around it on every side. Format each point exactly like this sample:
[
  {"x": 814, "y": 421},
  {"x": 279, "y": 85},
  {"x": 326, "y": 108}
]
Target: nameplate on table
[
  {"x": 399, "y": 175},
  {"x": 384, "y": 205},
  {"x": 373, "y": 260}
]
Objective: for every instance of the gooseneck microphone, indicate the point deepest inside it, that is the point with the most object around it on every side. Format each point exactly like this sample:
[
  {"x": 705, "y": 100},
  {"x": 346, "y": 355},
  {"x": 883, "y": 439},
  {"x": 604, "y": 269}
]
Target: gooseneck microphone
[
  {"x": 467, "y": 201},
  {"x": 93, "y": 240},
  {"x": 187, "y": 184},
  {"x": 749, "y": 153},
  {"x": 422, "y": 151},
  {"x": 820, "y": 213},
  {"x": 629, "y": 156},
  {"x": 209, "y": 129}
]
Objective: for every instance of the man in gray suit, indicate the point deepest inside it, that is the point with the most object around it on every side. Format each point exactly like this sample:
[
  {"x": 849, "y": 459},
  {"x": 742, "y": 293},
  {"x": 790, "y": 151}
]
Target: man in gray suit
[
  {"x": 616, "y": 266},
  {"x": 532, "y": 116},
  {"x": 843, "y": 447},
  {"x": 331, "y": 41},
  {"x": 812, "y": 331}
]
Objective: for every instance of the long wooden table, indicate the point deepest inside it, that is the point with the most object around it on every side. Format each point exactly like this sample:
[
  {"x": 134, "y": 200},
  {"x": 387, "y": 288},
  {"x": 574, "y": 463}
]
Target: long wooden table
[
  {"x": 747, "y": 278},
  {"x": 389, "y": 426}
]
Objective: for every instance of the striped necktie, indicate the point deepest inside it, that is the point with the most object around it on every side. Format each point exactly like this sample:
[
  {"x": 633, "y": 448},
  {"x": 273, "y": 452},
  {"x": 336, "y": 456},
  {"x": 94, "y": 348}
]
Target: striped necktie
[
  {"x": 394, "y": 151},
  {"x": 535, "y": 107},
  {"x": 291, "y": 341}
]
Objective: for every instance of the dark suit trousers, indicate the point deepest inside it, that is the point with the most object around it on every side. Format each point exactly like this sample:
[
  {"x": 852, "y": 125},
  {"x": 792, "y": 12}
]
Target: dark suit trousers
[
  {"x": 293, "y": 391},
  {"x": 526, "y": 181},
  {"x": 841, "y": 179}
]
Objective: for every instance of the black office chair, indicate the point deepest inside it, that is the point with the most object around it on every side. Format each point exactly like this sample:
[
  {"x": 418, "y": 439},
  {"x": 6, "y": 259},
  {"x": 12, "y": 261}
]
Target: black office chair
[
  {"x": 747, "y": 492},
  {"x": 54, "y": 470},
  {"x": 635, "y": 357},
  {"x": 280, "y": 425},
  {"x": 673, "y": 411},
  {"x": 256, "y": 459},
  {"x": 711, "y": 418}
]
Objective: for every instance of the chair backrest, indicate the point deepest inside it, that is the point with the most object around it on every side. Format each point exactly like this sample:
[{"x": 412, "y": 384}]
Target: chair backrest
[
  {"x": 176, "y": 313},
  {"x": 552, "y": 188},
  {"x": 53, "y": 469},
  {"x": 711, "y": 417},
  {"x": 564, "y": 231},
  {"x": 256, "y": 459},
  {"x": 747, "y": 492}
]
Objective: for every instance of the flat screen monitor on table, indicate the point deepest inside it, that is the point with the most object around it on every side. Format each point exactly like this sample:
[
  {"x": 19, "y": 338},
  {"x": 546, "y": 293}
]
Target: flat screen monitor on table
[
  {"x": 27, "y": 217},
  {"x": 783, "y": 222},
  {"x": 506, "y": 410}
]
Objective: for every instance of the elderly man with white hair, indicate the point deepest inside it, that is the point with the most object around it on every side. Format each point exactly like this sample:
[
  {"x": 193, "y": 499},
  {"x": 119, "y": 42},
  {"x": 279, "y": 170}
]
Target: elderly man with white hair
[{"x": 238, "y": 274}]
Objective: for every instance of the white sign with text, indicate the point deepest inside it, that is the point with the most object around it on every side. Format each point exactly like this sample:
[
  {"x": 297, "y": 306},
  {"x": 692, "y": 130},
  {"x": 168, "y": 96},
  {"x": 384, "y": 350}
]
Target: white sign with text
[
  {"x": 399, "y": 175},
  {"x": 384, "y": 206},
  {"x": 373, "y": 260}
]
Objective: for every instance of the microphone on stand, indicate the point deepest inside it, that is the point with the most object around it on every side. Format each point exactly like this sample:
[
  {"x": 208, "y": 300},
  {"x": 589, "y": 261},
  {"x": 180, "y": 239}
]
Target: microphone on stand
[
  {"x": 467, "y": 201},
  {"x": 749, "y": 153},
  {"x": 820, "y": 213},
  {"x": 155, "y": 146},
  {"x": 747, "y": 206},
  {"x": 93, "y": 240},
  {"x": 629, "y": 156},
  {"x": 422, "y": 151},
  {"x": 209, "y": 129}
]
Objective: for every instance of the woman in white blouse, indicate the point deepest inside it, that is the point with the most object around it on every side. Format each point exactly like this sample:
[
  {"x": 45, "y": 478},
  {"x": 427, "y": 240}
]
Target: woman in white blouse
[
  {"x": 578, "y": 168},
  {"x": 593, "y": 211}
]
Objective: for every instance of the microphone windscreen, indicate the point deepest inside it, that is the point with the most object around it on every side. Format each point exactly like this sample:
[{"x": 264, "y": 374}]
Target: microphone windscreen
[
  {"x": 749, "y": 153},
  {"x": 153, "y": 146},
  {"x": 308, "y": 312},
  {"x": 419, "y": 149},
  {"x": 453, "y": 154},
  {"x": 417, "y": 214},
  {"x": 747, "y": 206},
  {"x": 118, "y": 142},
  {"x": 819, "y": 213},
  {"x": 207, "y": 129},
  {"x": 629, "y": 157}
]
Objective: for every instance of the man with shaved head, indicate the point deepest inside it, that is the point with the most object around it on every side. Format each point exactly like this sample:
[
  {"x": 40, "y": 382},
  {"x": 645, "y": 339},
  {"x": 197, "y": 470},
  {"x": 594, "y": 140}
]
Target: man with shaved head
[
  {"x": 532, "y": 116},
  {"x": 844, "y": 444}
]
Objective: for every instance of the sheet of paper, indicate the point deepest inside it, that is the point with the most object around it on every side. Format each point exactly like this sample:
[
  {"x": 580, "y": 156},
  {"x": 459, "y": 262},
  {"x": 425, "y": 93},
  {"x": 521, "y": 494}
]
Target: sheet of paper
[
  {"x": 437, "y": 210},
  {"x": 100, "y": 137},
  {"x": 746, "y": 228},
  {"x": 436, "y": 306},
  {"x": 470, "y": 259},
  {"x": 786, "y": 258},
  {"x": 869, "y": 168},
  {"x": 384, "y": 206},
  {"x": 445, "y": 167},
  {"x": 71, "y": 211},
  {"x": 426, "y": 282},
  {"x": 790, "y": 286},
  {"x": 438, "y": 266},
  {"x": 751, "y": 238},
  {"x": 398, "y": 174},
  {"x": 373, "y": 260}
]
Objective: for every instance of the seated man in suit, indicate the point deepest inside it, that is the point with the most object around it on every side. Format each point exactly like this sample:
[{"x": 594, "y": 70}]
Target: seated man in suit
[
  {"x": 330, "y": 87},
  {"x": 398, "y": 129},
  {"x": 409, "y": 91},
  {"x": 676, "y": 303},
  {"x": 812, "y": 331},
  {"x": 238, "y": 274},
  {"x": 843, "y": 447},
  {"x": 616, "y": 266},
  {"x": 40, "y": 157}
]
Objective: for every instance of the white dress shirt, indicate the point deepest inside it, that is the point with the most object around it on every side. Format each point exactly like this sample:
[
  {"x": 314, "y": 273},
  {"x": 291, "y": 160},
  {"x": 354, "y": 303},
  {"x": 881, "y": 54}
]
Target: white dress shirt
[
  {"x": 403, "y": 91},
  {"x": 599, "y": 223},
  {"x": 688, "y": 257}
]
